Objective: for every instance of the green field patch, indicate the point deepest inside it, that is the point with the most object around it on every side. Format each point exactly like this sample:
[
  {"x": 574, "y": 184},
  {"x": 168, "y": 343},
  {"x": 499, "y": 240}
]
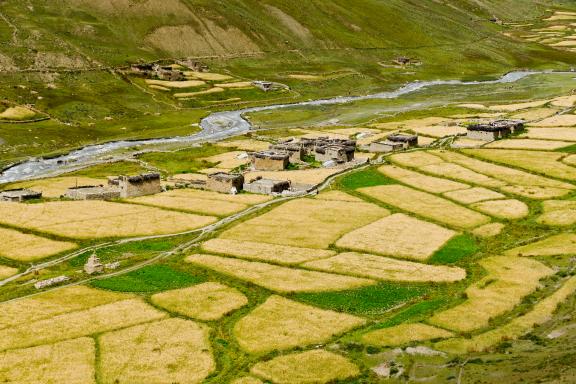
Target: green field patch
[
  {"x": 415, "y": 312},
  {"x": 366, "y": 178},
  {"x": 455, "y": 250},
  {"x": 568, "y": 149},
  {"x": 184, "y": 161},
  {"x": 133, "y": 250},
  {"x": 153, "y": 278},
  {"x": 110, "y": 169},
  {"x": 367, "y": 301}
]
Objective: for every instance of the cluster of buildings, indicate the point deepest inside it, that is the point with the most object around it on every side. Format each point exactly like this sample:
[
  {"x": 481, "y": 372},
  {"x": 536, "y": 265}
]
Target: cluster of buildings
[
  {"x": 494, "y": 130},
  {"x": 118, "y": 187},
  {"x": 329, "y": 152}
]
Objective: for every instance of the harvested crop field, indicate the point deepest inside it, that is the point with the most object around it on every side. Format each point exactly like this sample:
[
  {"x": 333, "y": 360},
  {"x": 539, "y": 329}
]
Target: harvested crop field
[
  {"x": 25, "y": 247},
  {"x": 199, "y": 93},
  {"x": 509, "y": 280},
  {"x": 420, "y": 181},
  {"x": 247, "y": 380},
  {"x": 196, "y": 201},
  {"x": 387, "y": 269},
  {"x": 534, "y": 192},
  {"x": 415, "y": 159},
  {"x": 56, "y": 187},
  {"x": 245, "y": 144},
  {"x": 566, "y": 120},
  {"x": 53, "y": 303},
  {"x": 309, "y": 223},
  {"x": 72, "y": 325},
  {"x": 404, "y": 334},
  {"x": 548, "y": 145},
  {"x": 167, "y": 351},
  {"x": 337, "y": 196},
  {"x": 561, "y": 216},
  {"x": 473, "y": 195},
  {"x": 207, "y": 302},
  {"x": 17, "y": 113},
  {"x": 563, "y": 244},
  {"x": 503, "y": 209},
  {"x": 508, "y": 175},
  {"x": 302, "y": 176},
  {"x": 427, "y": 205},
  {"x": 208, "y": 76},
  {"x": 49, "y": 364},
  {"x": 535, "y": 114},
  {"x": 540, "y": 314},
  {"x": 489, "y": 230},
  {"x": 275, "y": 278},
  {"x": 458, "y": 172},
  {"x": 281, "y": 324},
  {"x": 97, "y": 219},
  {"x": 440, "y": 130},
  {"x": 176, "y": 84},
  {"x": 398, "y": 235},
  {"x": 279, "y": 254},
  {"x": 547, "y": 163},
  {"x": 567, "y": 134},
  {"x": 6, "y": 271},
  {"x": 318, "y": 366}
]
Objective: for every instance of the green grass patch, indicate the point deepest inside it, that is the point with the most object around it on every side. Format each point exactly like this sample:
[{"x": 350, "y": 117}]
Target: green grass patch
[
  {"x": 365, "y": 178},
  {"x": 368, "y": 301},
  {"x": 114, "y": 169},
  {"x": 568, "y": 149},
  {"x": 415, "y": 312},
  {"x": 153, "y": 278},
  {"x": 455, "y": 250},
  {"x": 140, "y": 248},
  {"x": 184, "y": 161}
]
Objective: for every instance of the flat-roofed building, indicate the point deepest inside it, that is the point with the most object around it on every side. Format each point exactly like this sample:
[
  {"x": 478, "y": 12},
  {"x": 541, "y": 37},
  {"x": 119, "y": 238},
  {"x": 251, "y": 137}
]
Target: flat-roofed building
[
  {"x": 19, "y": 195},
  {"x": 269, "y": 160},
  {"x": 225, "y": 182}
]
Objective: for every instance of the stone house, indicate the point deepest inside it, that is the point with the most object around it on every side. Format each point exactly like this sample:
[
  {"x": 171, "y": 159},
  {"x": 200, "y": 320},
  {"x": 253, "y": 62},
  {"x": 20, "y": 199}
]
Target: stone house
[
  {"x": 340, "y": 153},
  {"x": 294, "y": 150},
  {"x": 267, "y": 186},
  {"x": 385, "y": 146},
  {"x": 141, "y": 185},
  {"x": 264, "y": 85},
  {"x": 19, "y": 195},
  {"x": 407, "y": 141},
  {"x": 269, "y": 160},
  {"x": 225, "y": 182},
  {"x": 92, "y": 192},
  {"x": 495, "y": 130}
]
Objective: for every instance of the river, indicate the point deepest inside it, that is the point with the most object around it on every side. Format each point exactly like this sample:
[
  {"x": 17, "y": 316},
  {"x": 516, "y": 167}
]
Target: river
[{"x": 217, "y": 126}]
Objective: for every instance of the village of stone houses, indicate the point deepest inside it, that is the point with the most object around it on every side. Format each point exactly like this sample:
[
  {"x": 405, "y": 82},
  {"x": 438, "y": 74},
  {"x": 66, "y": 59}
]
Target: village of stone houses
[{"x": 211, "y": 214}]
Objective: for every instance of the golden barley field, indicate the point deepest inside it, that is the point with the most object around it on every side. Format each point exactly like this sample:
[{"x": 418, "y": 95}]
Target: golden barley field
[
  {"x": 398, "y": 235},
  {"x": 98, "y": 219},
  {"x": 404, "y": 334},
  {"x": 273, "y": 253},
  {"x": 421, "y": 181},
  {"x": 387, "y": 269},
  {"x": 317, "y": 366},
  {"x": 167, "y": 351},
  {"x": 308, "y": 223},
  {"x": 541, "y": 313},
  {"x": 54, "y": 303},
  {"x": 206, "y": 302},
  {"x": 71, "y": 361},
  {"x": 26, "y": 247},
  {"x": 276, "y": 278},
  {"x": 427, "y": 205},
  {"x": 509, "y": 280},
  {"x": 280, "y": 324},
  {"x": 72, "y": 325}
]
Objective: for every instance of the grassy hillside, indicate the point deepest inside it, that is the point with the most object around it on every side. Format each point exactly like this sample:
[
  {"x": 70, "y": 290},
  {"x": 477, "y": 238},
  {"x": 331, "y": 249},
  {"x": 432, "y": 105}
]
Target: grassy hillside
[{"x": 62, "y": 56}]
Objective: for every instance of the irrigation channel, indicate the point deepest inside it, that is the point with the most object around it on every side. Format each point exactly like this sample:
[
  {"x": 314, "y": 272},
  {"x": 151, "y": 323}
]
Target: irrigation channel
[{"x": 217, "y": 126}]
